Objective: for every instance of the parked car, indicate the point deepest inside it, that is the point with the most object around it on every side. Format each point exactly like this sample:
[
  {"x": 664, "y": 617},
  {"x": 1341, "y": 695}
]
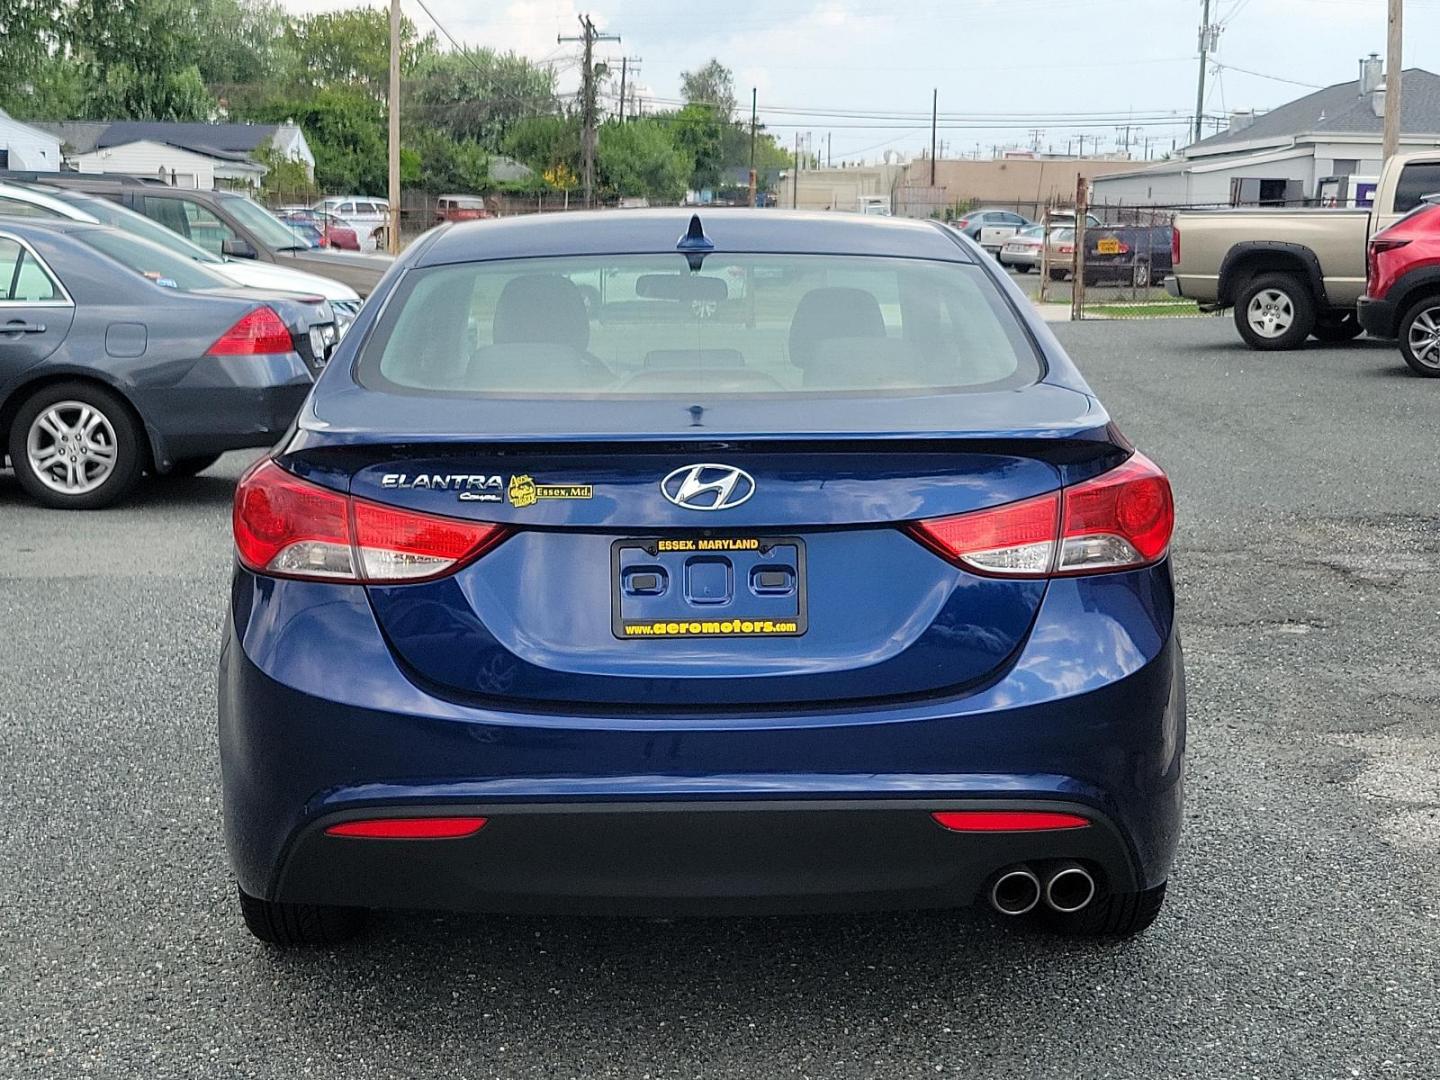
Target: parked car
[
  {"x": 460, "y": 208},
  {"x": 229, "y": 225},
  {"x": 1290, "y": 273},
  {"x": 369, "y": 217},
  {"x": 544, "y": 606},
  {"x": 118, "y": 357},
  {"x": 332, "y": 232},
  {"x": 309, "y": 231},
  {"x": 35, "y": 201},
  {"x": 1402, "y": 299},
  {"x": 990, "y": 228},
  {"x": 1128, "y": 254},
  {"x": 1023, "y": 251}
]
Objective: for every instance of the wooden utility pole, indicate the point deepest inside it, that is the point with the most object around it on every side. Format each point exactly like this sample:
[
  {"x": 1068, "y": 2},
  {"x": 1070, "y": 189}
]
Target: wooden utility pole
[
  {"x": 934, "y": 116},
  {"x": 753, "y": 178},
  {"x": 394, "y": 186},
  {"x": 628, "y": 65},
  {"x": 1394, "y": 47},
  {"x": 588, "y": 37},
  {"x": 1207, "y": 40},
  {"x": 1077, "y": 279}
]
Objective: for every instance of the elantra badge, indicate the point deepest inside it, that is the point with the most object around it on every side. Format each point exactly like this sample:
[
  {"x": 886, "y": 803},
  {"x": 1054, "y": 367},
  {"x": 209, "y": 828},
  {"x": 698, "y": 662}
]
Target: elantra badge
[{"x": 708, "y": 487}]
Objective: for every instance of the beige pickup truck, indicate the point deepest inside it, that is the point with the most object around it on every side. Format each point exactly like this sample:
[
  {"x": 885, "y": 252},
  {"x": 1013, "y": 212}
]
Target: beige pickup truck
[{"x": 1291, "y": 273}]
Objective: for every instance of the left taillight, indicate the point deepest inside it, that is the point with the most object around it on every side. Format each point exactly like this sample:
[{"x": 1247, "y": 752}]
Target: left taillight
[
  {"x": 288, "y": 527},
  {"x": 1119, "y": 520},
  {"x": 259, "y": 333}
]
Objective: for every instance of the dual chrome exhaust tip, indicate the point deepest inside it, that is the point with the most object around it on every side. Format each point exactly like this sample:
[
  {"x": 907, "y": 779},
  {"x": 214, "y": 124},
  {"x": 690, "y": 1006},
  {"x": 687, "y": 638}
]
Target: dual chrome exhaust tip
[{"x": 1066, "y": 887}]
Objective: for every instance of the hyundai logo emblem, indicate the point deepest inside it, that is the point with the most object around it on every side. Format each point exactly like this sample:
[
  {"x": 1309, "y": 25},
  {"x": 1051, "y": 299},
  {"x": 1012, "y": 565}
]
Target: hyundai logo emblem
[{"x": 708, "y": 487}]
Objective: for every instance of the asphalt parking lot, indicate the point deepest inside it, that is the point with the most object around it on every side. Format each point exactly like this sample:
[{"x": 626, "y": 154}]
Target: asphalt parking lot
[{"x": 1302, "y": 937}]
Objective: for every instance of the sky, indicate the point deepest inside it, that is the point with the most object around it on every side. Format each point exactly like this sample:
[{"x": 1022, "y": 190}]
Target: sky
[{"x": 855, "y": 77}]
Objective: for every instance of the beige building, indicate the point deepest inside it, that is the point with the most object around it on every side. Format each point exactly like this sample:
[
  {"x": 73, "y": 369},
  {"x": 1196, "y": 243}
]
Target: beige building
[{"x": 1026, "y": 184}]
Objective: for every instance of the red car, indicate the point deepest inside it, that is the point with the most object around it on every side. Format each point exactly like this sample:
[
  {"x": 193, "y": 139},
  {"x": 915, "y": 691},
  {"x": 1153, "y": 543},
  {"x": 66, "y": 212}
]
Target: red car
[
  {"x": 1402, "y": 299},
  {"x": 333, "y": 232},
  {"x": 460, "y": 208}
]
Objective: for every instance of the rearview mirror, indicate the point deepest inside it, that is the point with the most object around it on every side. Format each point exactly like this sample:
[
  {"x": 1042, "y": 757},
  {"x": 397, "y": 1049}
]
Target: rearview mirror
[{"x": 681, "y": 287}]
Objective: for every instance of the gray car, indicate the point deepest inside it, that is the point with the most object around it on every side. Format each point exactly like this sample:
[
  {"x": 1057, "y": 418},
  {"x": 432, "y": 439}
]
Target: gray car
[{"x": 118, "y": 357}]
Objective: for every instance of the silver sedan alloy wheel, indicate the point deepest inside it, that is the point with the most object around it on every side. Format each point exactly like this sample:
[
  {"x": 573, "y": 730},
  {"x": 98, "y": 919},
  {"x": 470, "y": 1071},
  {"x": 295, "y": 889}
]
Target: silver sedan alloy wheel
[
  {"x": 1271, "y": 313},
  {"x": 71, "y": 447},
  {"x": 1425, "y": 338}
]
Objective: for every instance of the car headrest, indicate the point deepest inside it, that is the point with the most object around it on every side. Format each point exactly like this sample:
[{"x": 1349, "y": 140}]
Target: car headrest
[
  {"x": 830, "y": 313},
  {"x": 541, "y": 309}
]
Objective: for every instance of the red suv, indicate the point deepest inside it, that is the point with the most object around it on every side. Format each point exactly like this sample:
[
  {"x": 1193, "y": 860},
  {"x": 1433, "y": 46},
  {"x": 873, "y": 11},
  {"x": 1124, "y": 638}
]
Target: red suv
[{"x": 1403, "y": 296}]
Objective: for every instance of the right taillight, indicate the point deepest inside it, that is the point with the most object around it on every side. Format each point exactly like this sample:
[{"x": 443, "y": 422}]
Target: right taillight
[
  {"x": 1378, "y": 246},
  {"x": 1119, "y": 520},
  {"x": 288, "y": 527},
  {"x": 1174, "y": 247}
]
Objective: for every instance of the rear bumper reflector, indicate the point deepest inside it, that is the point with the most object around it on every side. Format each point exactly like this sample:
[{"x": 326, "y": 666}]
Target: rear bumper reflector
[
  {"x": 412, "y": 828},
  {"x": 1008, "y": 820}
]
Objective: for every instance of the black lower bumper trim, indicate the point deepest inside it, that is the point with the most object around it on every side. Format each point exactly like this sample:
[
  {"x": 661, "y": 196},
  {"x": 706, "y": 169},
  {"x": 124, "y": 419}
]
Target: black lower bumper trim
[
  {"x": 1377, "y": 317},
  {"x": 751, "y": 857}
]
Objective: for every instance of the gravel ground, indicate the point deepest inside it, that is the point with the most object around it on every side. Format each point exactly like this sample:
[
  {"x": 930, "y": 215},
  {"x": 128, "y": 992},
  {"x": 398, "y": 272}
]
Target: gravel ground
[{"x": 1302, "y": 938}]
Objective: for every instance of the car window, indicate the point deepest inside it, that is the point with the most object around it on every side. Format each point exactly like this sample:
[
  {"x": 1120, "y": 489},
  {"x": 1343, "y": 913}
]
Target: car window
[
  {"x": 1416, "y": 181},
  {"x": 346, "y": 208},
  {"x": 108, "y": 213},
  {"x": 636, "y": 326},
  {"x": 19, "y": 208},
  {"x": 22, "y": 279},
  {"x": 152, "y": 261}
]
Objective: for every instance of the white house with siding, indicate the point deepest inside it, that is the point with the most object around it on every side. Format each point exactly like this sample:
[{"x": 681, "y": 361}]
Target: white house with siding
[
  {"x": 172, "y": 164},
  {"x": 26, "y": 147}
]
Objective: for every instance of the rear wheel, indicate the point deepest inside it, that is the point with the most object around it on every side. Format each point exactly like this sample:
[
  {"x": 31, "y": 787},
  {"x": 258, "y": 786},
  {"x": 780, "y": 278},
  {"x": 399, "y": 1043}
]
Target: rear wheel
[
  {"x": 1275, "y": 312},
  {"x": 1140, "y": 278},
  {"x": 1420, "y": 337},
  {"x": 76, "y": 446},
  {"x": 1334, "y": 330},
  {"x": 310, "y": 926},
  {"x": 1113, "y": 915}
]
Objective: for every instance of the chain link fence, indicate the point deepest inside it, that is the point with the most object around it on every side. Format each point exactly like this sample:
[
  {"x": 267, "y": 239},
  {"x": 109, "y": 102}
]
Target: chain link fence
[{"x": 1111, "y": 263}]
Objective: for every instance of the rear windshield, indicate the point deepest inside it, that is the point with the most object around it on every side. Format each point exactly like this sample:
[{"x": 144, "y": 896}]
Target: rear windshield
[
  {"x": 641, "y": 325},
  {"x": 160, "y": 265}
]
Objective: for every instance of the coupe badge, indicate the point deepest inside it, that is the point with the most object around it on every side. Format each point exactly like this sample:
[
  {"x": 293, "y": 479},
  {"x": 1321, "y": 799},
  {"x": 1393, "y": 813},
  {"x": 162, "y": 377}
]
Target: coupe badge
[{"x": 708, "y": 487}]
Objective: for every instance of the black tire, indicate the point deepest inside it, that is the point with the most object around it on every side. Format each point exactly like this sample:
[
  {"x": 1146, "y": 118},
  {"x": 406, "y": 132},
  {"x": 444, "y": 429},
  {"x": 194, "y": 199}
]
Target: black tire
[
  {"x": 1114, "y": 915},
  {"x": 1335, "y": 331},
  {"x": 306, "y": 926},
  {"x": 130, "y": 450},
  {"x": 1421, "y": 363},
  {"x": 1020, "y": 268},
  {"x": 192, "y": 466},
  {"x": 1059, "y": 275},
  {"x": 1291, "y": 297}
]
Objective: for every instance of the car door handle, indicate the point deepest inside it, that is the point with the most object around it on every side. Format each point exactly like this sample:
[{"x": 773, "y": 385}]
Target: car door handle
[{"x": 15, "y": 326}]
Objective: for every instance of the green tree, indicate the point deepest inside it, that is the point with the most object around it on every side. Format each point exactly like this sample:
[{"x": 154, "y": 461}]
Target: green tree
[
  {"x": 346, "y": 132},
  {"x": 447, "y": 164},
  {"x": 137, "y": 60},
  {"x": 699, "y": 131},
  {"x": 545, "y": 143},
  {"x": 38, "y": 81},
  {"x": 712, "y": 85},
  {"x": 352, "y": 48},
  {"x": 479, "y": 94},
  {"x": 641, "y": 158}
]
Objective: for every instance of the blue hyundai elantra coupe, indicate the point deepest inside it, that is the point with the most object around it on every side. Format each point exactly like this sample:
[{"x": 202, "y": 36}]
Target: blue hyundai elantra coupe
[{"x": 749, "y": 561}]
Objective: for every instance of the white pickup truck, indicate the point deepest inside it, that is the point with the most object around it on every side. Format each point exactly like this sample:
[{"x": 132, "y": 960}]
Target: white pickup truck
[{"x": 1292, "y": 273}]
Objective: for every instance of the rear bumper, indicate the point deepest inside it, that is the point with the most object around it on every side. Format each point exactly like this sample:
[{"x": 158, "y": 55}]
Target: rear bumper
[
  {"x": 1378, "y": 317},
  {"x": 695, "y": 858},
  {"x": 223, "y": 403},
  {"x": 777, "y": 810},
  {"x": 1172, "y": 286}
]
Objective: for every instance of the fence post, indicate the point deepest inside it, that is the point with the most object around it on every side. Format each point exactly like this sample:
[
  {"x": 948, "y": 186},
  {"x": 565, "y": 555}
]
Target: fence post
[{"x": 1077, "y": 280}]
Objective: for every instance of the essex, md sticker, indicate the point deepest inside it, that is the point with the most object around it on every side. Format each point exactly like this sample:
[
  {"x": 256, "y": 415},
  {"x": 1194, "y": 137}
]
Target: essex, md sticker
[{"x": 524, "y": 491}]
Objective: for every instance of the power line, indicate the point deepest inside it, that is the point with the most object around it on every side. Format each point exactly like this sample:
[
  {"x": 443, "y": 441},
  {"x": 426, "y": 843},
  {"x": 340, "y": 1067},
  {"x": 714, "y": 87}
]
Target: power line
[
  {"x": 588, "y": 36},
  {"x": 1262, "y": 75}
]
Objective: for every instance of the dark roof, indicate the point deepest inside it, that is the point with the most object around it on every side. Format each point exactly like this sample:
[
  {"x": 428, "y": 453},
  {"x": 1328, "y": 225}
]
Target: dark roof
[
  {"x": 79, "y": 135},
  {"x": 234, "y": 142},
  {"x": 644, "y": 232},
  {"x": 1341, "y": 110}
]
